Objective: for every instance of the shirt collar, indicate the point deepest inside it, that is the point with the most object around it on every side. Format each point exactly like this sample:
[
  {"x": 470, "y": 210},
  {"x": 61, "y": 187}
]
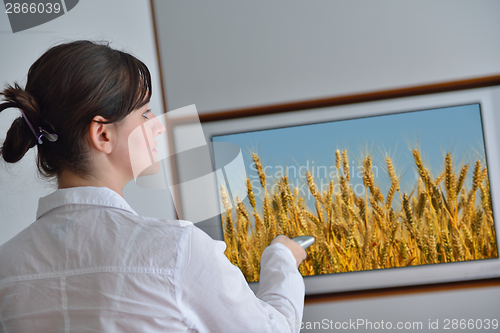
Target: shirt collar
[{"x": 87, "y": 195}]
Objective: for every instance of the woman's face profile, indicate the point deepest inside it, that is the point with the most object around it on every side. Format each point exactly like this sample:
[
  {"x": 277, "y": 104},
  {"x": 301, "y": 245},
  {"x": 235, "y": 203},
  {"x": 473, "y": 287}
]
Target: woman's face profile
[{"x": 136, "y": 145}]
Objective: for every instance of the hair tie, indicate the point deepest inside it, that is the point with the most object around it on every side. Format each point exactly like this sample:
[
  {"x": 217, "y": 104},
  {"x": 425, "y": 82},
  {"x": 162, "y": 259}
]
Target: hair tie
[{"x": 43, "y": 133}]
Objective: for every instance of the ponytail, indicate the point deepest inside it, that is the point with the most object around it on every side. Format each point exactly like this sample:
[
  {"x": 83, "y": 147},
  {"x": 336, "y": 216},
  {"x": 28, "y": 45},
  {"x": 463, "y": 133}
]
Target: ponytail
[{"x": 19, "y": 137}]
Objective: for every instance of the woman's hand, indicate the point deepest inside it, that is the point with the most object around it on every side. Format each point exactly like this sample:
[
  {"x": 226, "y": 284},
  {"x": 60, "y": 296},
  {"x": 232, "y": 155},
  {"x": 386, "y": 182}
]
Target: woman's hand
[{"x": 298, "y": 252}]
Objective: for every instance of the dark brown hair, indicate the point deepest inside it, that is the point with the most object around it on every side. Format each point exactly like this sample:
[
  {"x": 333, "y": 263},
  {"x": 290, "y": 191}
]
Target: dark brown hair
[{"x": 66, "y": 88}]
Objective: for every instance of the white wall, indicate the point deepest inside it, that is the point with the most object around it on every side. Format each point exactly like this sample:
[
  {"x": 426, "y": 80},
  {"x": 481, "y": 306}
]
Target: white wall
[
  {"x": 228, "y": 54},
  {"x": 127, "y": 24},
  {"x": 476, "y": 303}
]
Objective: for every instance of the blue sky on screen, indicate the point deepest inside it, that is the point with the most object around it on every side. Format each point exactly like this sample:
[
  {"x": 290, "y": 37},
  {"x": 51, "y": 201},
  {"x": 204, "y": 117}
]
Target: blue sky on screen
[{"x": 312, "y": 147}]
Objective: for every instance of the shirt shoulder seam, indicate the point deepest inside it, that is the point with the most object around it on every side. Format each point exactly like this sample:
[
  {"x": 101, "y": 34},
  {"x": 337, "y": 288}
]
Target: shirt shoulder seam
[
  {"x": 104, "y": 269},
  {"x": 183, "y": 239}
]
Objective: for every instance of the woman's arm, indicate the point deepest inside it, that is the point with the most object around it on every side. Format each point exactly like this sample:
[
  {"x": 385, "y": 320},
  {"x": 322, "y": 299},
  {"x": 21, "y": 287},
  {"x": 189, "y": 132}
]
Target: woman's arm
[{"x": 214, "y": 296}]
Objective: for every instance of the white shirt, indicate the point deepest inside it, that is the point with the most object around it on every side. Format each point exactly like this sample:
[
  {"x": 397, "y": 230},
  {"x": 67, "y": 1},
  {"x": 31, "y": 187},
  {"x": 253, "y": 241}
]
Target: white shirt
[{"x": 89, "y": 263}]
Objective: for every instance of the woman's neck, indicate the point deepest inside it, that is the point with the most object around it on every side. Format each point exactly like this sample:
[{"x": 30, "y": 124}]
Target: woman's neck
[{"x": 68, "y": 179}]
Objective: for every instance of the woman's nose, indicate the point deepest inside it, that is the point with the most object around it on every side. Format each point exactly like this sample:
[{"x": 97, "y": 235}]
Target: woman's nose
[{"x": 156, "y": 125}]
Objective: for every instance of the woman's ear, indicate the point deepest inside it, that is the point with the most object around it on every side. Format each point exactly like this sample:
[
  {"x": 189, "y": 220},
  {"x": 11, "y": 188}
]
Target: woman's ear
[{"x": 102, "y": 136}]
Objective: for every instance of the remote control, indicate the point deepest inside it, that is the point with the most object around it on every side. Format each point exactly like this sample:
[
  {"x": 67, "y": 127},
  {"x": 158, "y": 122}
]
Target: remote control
[{"x": 304, "y": 241}]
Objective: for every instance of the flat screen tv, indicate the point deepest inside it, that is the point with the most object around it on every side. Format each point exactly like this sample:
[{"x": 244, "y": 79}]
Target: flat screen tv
[{"x": 397, "y": 192}]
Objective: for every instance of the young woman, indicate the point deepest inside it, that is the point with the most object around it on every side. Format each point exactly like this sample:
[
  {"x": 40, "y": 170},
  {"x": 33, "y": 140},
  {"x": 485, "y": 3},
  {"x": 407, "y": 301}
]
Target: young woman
[{"x": 89, "y": 262}]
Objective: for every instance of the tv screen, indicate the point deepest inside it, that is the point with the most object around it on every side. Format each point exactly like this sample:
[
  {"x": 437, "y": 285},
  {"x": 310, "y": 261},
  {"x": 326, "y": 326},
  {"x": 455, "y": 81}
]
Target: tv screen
[
  {"x": 380, "y": 192},
  {"x": 397, "y": 192}
]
